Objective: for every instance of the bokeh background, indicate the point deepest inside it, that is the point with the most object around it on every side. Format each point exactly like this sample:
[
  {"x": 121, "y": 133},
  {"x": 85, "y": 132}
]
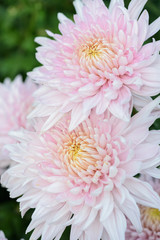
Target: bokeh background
[{"x": 20, "y": 22}]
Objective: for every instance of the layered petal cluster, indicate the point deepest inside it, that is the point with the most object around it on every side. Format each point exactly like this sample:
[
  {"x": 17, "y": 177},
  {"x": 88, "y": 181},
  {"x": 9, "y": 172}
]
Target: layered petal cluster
[
  {"x": 150, "y": 218},
  {"x": 85, "y": 177},
  {"x": 15, "y": 104},
  {"x": 99, "y": 61}
]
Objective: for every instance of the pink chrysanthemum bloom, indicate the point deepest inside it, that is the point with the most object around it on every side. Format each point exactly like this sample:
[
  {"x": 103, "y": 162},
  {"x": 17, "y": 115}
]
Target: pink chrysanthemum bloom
[
  {"x": 85, "y": 177},
  {"x": 98, "y": 62},
  {"x": 150, "y": 218},
  {"x": 15, "y": 104}
]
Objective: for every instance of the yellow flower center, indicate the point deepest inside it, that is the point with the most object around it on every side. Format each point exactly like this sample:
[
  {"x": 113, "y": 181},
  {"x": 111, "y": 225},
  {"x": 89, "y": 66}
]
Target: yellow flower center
[
  {"x": 150, "y": 218},
  {"x": 154, "y": 213},
  {"x": 74, "y": 150},
  {"x": 80, "y": 156},
  {"x": 97, "y": 53},
  {"x": 91, "y": 50}
]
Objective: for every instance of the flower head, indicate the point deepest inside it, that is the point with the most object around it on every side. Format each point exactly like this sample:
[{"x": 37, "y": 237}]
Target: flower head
[
  {"x": 98, "y": 62},
  {"x": 150, "y": 218},
  {"x": 15, "y": 104},
  {"x": 85, "y": 177}
]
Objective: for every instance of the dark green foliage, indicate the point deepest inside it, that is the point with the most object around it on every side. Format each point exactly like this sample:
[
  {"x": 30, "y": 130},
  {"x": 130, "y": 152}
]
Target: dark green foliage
[{"x": 21, "y": 21}]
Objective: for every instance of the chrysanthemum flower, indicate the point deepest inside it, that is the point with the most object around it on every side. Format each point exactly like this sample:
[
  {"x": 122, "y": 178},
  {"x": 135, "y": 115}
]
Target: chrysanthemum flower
[
  {"x": 98, "y": 62},
  {"x": 15, "y": 104},
  {"x": 85, "y": 177},
  {"x": 150, "y": 218}
]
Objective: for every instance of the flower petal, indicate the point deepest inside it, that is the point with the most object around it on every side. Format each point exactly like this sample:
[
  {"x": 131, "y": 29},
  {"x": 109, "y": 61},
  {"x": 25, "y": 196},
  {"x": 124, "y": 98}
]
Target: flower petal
[
  {"x": 135, "y": 7},
  {"x": 143, "y": 193}
]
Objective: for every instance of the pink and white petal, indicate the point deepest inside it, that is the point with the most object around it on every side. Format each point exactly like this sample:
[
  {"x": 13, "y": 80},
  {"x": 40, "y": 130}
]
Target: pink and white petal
[
  {"x": 88, "y": 90},
  {"x": 139, "y": 102},
  {"x": 50, "y": 97},
  {"x": 52, "y": 232},
  {"x": 44, "y": 41},
  {"x": 135, "y": 7},
  {"x": 142, "y": 28},
  {"x": 91, "y": 102},
  {"x": 137, "y": 135},
  {"x": 78, "y": 4},
  {"x": 94, "y": 231},
  {"x": 145, "y": 116},
  {"x": 131, "y": 167},
  {"x": 67, "y": 107},
  {"x": 119, "y": 195},
  {"x": 151, "y": 59},
  {"x": 154, "y": 136},
  {"x": 62, "y": 18},
  {"x": 105, "y": 235},
  {"x": 130, "y": 209},
  {"x": 90, "y": 219},
  {"x": 80, "y": 217},
  {"x": 53, "y": 118},
  {"x": 148, "y": 49},
  {"x": 147, "y": 91},
  {"x": 76, "y": 231},
  {"x": 151, "y": 162},
  {"x": 102, "y": 105},
  {"x": 37, "y": 232},
  {"x": 56, "y": 187},
  {"x": 107, "y": 206},
  {"x": 119, "y": 126},
  {"x": 143, "y": 193},
  {"x": 133, "y": 82},
  {"x": 154, "y": 172},
  {"x": 154, "y": 27},
  {"x": 115, "y": 2},
  {"x": 151, "y": 151},
  {"x": 115, "y": 225},
  {"x": 150, "y": 76},
  {"x": 40, "y": 111},
  {"x": 122, "y": 106},
  {"x": 96, "y": 7},
  {"x": 77, "y": 116}
]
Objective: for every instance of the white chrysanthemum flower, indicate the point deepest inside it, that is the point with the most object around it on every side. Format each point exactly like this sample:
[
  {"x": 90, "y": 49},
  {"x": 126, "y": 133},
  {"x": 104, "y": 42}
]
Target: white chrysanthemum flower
[
  {"x": 85, "y": 178},
  {"x": 99, "y": 61},
  {"x": 15, "y": 104}
]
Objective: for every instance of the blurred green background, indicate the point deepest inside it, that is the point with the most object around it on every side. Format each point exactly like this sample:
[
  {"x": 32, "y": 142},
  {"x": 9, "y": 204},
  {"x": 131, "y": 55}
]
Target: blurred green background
[{"x": 20, "y": 22}]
